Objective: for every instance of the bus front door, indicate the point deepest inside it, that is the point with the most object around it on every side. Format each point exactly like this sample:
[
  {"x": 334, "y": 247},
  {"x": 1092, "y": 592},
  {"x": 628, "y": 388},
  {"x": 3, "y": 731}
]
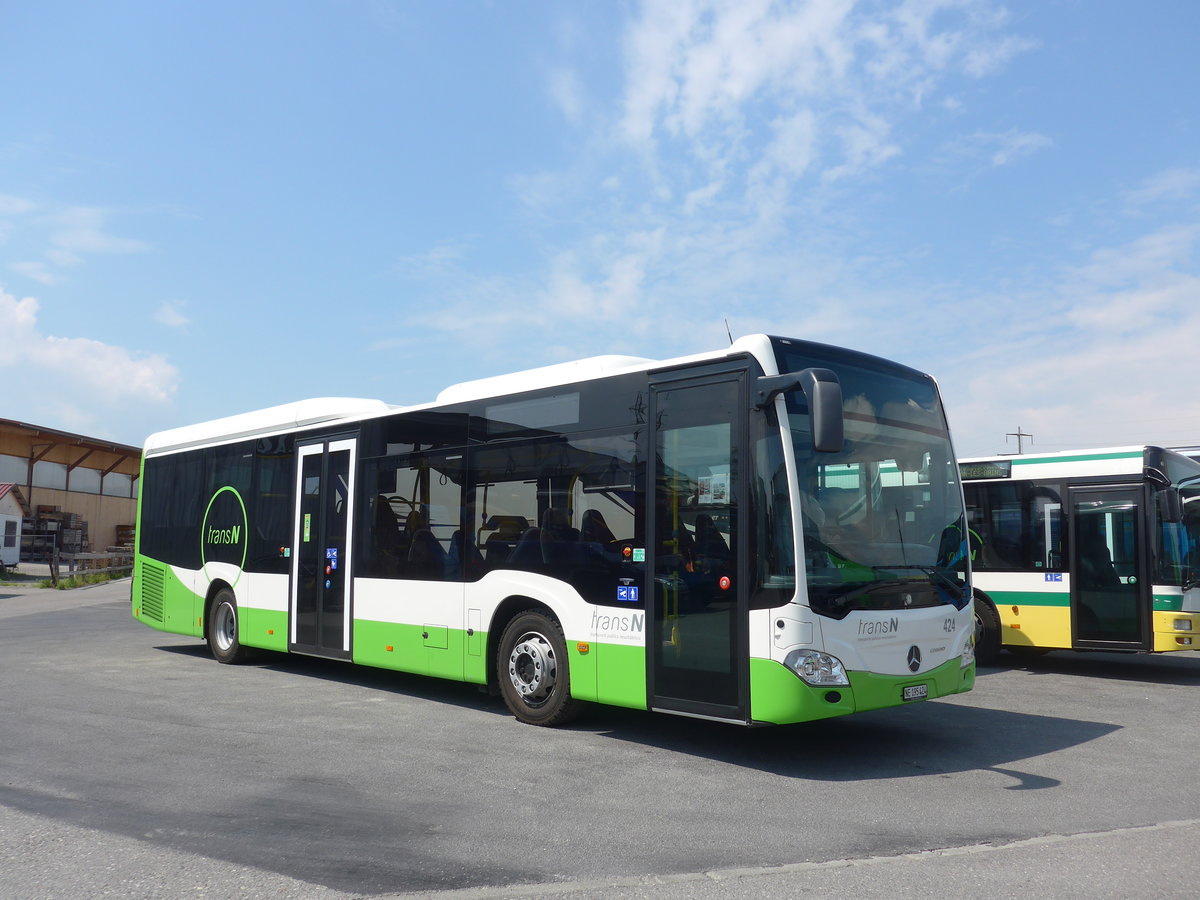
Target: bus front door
[
  {"x": 697, "y": 637},
  {"x": 320, "y": 594},
  {"x": 1110, "y": 589}
]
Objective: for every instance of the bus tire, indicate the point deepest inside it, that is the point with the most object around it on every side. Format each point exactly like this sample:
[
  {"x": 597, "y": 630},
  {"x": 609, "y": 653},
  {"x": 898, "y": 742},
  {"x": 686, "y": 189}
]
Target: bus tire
[
  {"x": 987, "y": 631},
  {"x": 223, "y": 640},
  {"x": 533, "y": 672}
]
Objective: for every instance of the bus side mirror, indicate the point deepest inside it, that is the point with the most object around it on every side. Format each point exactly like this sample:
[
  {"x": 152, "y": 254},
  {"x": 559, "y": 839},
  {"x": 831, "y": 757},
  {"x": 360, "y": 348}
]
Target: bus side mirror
[
  {"x": 1170, "y": 505},
  {"x": 824, "y": 394}
]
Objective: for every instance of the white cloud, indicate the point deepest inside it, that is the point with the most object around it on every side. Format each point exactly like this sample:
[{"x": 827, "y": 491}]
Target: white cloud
[
  {"x": 18, "y": 318},
  {"x": 36, "y": 271},
  {"x": 170, "y": 313},
  {"x": 998, "y": 148},
  {"x": 12, "y": 206},
  {"x": 1102, "y": 357},
  {"x": 1172, "y": 186},
  {"x": 741, "y": 130},
  {"x": 792, "y": 149},
  {"x": 987, "y": 58},
  {"x": 701, "y": 70},
  {"x": 865, "y": 146},
  {"x": 62, "y": 237},
  {"x": 567, "y": 94},
  {"x": 73, "y": 382},
  {"x": 739, "y": 125},
  {"x": 1014, "y": 145},
  {"x": 82, "y": 229}
]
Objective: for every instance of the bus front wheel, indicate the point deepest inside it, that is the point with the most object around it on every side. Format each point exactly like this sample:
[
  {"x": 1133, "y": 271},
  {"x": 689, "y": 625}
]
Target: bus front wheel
[
  {"x": 223, "y": 628},
  {"x": 987, "y": 631},
  {"x": 533, "y": 672}
]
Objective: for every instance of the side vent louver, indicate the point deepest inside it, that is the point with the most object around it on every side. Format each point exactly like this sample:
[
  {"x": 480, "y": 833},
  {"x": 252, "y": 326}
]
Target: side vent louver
[{"x": 152, "y": 592}]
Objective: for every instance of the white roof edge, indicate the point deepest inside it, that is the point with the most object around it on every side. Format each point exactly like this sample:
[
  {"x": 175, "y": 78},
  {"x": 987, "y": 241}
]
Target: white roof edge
[
  {"x": 543, "y": 376},
  {"x": 759, "y": 345},
  {"x": 1050, "y": 454},
  {"x": 302, "y": 413},
  {"x": 285, "y": 417}
]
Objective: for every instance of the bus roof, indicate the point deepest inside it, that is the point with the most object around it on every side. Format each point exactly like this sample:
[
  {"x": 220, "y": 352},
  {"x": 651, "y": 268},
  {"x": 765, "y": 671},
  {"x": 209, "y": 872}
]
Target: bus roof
[
  {"x": 325, "y": 410},
  {"x": 544, "y": 376},
  {"x": 757, "y": 345},
  {"x": 1063, "y": 455},
  {"x": 1061, "y": 463},
  {"x": 285, "y": 417}
]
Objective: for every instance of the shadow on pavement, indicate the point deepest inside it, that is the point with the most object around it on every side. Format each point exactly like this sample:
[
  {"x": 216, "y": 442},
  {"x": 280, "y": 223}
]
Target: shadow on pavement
[
  {"x": 930, "y": 738},
  {"x": 1171, "y": 668}
]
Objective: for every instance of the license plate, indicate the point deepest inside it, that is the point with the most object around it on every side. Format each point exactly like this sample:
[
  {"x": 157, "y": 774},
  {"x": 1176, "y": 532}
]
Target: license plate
[{"x": 915, "y": 692}]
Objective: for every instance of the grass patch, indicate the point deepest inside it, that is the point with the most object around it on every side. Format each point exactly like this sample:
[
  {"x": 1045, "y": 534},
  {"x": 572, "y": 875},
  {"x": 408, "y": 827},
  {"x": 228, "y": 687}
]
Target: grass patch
[{"x": 82, "y": 579}]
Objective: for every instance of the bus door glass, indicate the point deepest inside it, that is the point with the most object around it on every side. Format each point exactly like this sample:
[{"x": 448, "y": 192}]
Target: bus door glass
[
  {"x": 320, "y": 608},
  {"x": 1109, "y": 591},
  {"x": 697, "y": 635}
]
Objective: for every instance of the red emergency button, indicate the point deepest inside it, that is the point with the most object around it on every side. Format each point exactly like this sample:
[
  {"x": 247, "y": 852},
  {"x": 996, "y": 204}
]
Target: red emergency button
[{"x": 724, "y": 583}]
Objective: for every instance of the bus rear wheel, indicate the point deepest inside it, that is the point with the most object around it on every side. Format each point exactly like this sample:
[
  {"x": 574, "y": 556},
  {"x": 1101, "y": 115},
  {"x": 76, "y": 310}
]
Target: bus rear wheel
[
  {"x": 533, "y": 672},
  {"x": 223, "y": 640}
]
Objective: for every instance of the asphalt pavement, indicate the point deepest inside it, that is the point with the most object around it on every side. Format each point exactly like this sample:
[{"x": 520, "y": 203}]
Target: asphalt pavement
[{"x": 133, "y": 765}]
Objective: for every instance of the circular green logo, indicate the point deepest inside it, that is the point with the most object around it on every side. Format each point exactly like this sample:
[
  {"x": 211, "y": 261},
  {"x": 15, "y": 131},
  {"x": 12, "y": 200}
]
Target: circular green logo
[{"x": 223, "y": 535}]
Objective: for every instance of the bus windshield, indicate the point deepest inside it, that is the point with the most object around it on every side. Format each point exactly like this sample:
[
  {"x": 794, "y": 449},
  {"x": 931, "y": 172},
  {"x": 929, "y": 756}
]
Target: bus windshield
[
  {"x": 1179, "y": 559},
  {"x": 882, "y": 520}
]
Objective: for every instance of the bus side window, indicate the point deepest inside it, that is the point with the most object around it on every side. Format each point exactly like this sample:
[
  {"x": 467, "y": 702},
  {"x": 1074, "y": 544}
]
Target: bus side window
[{"x": 415, "y": 511}]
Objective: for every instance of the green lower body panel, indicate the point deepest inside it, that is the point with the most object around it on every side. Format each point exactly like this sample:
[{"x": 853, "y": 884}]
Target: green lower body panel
[
  {"x": 162, "y": 601},
  {"x": 779, "y": 697},
  {"x": 620, "y": 675},
  {"x": 604, "y": 673},
  {"x": 421, "y": 649},
  {"x": 266, "y": 629}
]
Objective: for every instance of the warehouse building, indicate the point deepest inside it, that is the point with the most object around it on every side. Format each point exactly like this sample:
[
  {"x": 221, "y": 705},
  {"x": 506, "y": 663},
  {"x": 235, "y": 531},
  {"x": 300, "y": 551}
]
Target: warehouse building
[{"x": 75, "y": 494}]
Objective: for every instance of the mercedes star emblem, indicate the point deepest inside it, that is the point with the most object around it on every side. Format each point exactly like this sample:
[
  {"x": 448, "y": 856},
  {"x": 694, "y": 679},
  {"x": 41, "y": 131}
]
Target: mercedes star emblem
[{"x": 914, "y": 658}]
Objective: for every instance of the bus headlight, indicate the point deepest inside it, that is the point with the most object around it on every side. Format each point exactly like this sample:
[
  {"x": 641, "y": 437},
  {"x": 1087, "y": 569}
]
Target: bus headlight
[
  {"x": 968, "y": 654},
  {"x": 817, "y": 669}
]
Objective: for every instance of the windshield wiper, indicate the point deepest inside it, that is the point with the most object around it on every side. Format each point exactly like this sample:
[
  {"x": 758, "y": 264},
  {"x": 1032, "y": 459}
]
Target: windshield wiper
[
  {"x": 935, "y": 575},
  {"x": 841, "y": 601}
]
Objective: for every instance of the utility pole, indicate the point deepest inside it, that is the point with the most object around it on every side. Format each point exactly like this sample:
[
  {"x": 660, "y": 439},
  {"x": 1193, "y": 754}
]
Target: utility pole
[{"x": 1019, "y": 434}]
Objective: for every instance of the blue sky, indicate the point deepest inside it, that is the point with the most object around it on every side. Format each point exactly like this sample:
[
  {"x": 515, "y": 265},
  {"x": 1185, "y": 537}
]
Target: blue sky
[{"x": 207, "y": 208}]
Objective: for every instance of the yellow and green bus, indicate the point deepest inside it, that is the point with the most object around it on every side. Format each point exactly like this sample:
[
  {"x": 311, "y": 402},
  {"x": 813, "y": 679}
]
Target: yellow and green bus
[
  {"x": 767, "y": 533},
  {"x": 1085, "y": 550}
]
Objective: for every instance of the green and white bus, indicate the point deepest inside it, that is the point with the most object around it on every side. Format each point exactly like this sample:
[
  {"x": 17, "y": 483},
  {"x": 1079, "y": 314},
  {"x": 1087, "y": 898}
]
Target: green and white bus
[
  {"x": 615, "y": 530},
  {"x": 1085, "y": 550}
]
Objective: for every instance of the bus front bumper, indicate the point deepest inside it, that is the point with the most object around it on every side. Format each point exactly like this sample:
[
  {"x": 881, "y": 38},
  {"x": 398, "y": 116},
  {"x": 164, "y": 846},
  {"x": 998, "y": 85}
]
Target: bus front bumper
[{"x": 780, "y": 697}]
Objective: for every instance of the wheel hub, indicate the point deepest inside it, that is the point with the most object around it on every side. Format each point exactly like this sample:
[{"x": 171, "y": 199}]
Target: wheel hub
[
  {"x": 532, "y": 668},
  {"x": 226, "y": 626}
]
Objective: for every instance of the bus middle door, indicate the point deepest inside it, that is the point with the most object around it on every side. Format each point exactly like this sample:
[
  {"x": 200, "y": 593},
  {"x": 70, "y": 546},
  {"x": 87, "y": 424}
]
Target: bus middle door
[
  {"x": 319, "y": 606},
  {"x": 1110, "y": 584}
]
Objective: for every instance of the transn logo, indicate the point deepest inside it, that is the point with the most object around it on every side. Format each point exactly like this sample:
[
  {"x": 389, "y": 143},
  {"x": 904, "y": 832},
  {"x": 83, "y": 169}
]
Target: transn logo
[{"x": 225, "y": 535}]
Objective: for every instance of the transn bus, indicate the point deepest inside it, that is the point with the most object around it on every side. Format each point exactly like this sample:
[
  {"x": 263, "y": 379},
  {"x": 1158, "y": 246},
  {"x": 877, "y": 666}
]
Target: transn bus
[
  {"x": 1085, "y": 550},
  {"x": 765, "y": 534}
]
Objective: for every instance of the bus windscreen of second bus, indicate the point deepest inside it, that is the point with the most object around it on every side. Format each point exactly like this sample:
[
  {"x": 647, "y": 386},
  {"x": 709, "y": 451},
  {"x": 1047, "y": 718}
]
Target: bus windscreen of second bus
[{"x": 1178, "y": 560}]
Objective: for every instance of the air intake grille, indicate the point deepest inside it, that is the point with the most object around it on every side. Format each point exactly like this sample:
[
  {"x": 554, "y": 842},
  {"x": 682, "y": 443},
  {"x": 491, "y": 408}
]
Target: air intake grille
[{"x": 152, "y": 592}]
